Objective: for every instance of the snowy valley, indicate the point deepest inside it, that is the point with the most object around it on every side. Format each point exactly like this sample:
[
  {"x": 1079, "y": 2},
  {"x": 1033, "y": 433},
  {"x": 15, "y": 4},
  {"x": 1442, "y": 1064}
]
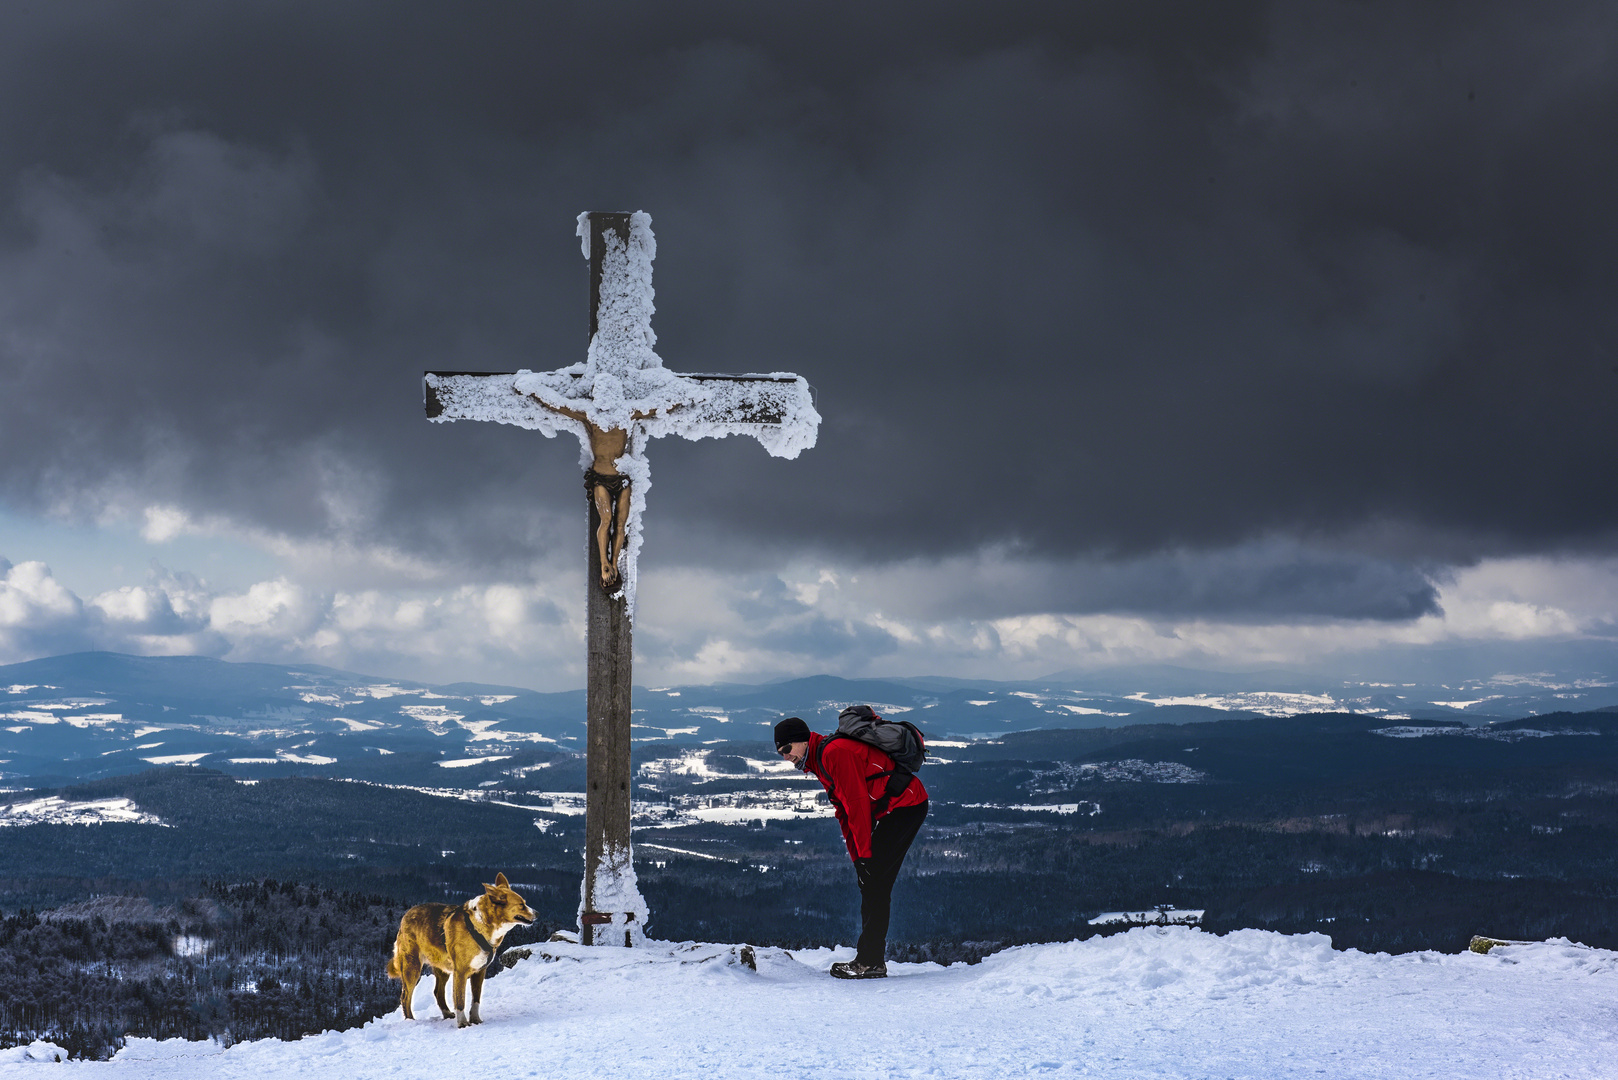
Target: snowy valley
[{"x": 244, "y": 837}]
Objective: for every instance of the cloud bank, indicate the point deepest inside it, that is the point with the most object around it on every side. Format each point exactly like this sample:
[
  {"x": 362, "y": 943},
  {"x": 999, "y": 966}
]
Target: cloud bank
[
  {"x": 703, "y": 626},
  {"x": 1250, "y": 315}
]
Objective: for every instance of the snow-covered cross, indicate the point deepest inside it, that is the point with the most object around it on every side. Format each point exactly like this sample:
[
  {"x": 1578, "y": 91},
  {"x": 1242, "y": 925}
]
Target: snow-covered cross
[{"x": 617, "y": 399}]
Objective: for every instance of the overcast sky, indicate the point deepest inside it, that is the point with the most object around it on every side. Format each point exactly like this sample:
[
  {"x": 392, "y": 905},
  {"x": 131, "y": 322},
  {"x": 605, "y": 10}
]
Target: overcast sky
[{"x": 1227, "y": 335}]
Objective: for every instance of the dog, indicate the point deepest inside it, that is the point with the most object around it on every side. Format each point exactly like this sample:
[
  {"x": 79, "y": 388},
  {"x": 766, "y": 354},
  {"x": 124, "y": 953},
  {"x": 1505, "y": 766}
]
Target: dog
[{"x": 455, "y": 941}]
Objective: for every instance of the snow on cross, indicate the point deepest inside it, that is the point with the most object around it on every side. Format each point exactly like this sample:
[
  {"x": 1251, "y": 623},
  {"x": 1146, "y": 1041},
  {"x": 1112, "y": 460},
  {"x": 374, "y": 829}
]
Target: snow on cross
[{"x": 617, "y": 399}]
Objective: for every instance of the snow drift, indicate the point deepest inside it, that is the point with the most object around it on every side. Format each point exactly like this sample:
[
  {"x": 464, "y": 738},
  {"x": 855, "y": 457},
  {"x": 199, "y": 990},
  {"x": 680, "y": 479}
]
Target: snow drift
[{"x": 1153, "y": 1002}]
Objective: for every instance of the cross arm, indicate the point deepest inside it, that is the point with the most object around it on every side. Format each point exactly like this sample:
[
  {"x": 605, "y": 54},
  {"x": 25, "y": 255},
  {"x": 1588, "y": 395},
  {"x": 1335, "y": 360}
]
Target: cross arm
[
  {"x": 484, "y": 395},
  {"x": 762, "y": 400},
  {"x": 777, "y": 408}
]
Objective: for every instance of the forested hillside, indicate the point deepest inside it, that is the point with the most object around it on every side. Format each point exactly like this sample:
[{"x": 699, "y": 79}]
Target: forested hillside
[
  {"x": 182, "y": 911},
  {"x": 254, "y": 960}
]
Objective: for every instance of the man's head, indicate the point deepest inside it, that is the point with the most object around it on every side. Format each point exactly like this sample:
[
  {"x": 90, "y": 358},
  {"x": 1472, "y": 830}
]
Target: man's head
[{"x": 792, "y": 740}]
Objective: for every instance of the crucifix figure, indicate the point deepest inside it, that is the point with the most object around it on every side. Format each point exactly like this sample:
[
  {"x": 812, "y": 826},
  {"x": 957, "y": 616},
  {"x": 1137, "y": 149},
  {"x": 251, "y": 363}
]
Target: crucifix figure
[
  {"x": 608, "y": 488},
  {"x": 620, "y": 397}
]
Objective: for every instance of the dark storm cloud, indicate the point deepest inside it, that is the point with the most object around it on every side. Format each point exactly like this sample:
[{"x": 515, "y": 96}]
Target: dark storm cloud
[
  {"x": 836, "y": 641},
  {"x": 1098, "y": 280},
  {"x": 1260, "y": 582}
]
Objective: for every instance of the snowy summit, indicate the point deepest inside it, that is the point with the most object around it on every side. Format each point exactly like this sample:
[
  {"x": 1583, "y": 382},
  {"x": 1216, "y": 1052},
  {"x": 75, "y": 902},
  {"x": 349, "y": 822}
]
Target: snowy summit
[{"x": 1166, "y": 1002}]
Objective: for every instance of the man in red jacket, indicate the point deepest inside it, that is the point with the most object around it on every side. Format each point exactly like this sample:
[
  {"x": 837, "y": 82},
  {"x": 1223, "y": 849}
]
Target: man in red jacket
[{"x": 855, "y": 776}]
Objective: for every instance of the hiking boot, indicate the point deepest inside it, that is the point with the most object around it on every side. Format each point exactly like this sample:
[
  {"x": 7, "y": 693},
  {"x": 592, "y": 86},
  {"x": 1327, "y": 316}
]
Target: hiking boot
[{"x": 853, "y": 969}]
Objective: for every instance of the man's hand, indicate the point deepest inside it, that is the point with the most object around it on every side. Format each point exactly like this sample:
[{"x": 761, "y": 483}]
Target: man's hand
[{"x": 864, "y": 869}]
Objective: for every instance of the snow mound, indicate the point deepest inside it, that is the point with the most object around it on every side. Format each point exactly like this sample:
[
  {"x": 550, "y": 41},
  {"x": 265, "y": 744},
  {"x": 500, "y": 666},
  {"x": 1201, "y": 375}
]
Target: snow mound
[
  {"x": 38, "y": 1050},
  {"x": 1153, "y": 1002}
]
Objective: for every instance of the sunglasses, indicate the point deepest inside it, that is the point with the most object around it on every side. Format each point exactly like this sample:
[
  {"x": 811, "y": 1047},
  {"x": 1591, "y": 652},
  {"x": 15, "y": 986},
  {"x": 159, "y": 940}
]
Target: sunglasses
[{"x": 784, "y": 750}]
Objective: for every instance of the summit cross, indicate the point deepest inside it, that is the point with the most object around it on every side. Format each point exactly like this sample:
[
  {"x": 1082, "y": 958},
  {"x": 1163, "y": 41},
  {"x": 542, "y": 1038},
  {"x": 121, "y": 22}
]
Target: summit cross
[{"x": 614, "y": 402}]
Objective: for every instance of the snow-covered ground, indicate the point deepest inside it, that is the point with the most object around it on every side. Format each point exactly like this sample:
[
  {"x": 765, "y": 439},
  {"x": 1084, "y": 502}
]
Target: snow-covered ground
[
  {"x": 56, "y": 810},
  {"x": 1154, "y": 1002}
]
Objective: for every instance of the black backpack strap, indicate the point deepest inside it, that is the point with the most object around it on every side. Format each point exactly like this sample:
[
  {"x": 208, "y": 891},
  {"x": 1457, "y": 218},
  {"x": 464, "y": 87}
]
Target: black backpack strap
[
  {"x": 899, "y": 778},
  {"x": 814, "y": 765},
  {"x": 820, "y": 750}
]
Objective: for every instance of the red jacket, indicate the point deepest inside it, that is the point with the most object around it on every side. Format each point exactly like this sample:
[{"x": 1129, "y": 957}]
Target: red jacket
[{"x": 853, "y": 774}]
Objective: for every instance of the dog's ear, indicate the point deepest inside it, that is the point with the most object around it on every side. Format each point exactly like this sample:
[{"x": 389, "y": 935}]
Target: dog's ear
[{"x": 500, "y": 880}]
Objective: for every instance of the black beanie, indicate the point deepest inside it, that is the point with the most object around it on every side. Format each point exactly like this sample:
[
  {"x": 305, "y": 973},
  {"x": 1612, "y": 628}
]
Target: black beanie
[{"x": 791, "y": 730}]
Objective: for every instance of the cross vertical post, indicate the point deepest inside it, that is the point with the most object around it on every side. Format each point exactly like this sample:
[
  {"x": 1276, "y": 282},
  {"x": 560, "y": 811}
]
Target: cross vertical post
[
  {"x": 609, "y": 675},
  {"x": 614, "y": 402}
]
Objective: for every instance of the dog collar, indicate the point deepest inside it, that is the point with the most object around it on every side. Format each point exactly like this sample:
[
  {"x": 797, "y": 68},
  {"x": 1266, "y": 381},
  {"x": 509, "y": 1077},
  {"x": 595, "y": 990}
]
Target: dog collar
[{"x": 493, "y": 963}]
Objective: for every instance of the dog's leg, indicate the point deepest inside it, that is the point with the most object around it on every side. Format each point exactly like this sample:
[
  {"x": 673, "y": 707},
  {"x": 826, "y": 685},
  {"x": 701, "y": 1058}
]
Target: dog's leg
[
  {"x": 409, "y": 974},
  {"x": 477, "y": 997},
  {"x": 441, "y": 977},
  {"x": 460, "y": 999}
]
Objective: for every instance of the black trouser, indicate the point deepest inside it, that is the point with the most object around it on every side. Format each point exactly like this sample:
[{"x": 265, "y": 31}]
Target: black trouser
[{"x": 890, "y": 839}]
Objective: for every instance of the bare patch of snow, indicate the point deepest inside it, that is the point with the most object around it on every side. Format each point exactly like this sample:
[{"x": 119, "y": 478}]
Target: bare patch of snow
[
  {"x": 54, "y": 810},
  {"x": 1088, "y": 809}
]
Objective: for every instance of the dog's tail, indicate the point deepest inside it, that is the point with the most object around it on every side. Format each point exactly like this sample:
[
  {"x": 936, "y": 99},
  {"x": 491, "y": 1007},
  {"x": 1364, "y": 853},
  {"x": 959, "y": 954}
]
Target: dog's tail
[{"x": 393, "y": 965}]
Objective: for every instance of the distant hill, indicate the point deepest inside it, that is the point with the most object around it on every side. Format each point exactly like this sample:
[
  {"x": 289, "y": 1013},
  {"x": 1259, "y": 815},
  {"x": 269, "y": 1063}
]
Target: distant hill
[
  {"x": 1390, "y": 834},
  {"x": 87, "y": 715}
]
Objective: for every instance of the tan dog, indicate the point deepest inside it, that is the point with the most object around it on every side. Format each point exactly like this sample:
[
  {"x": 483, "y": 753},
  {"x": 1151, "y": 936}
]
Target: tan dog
[{"x": 458, "y": 941}]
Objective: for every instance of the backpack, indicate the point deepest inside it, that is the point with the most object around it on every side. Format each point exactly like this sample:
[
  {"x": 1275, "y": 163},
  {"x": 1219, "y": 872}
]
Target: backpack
[{"x": 899, "y": 739}]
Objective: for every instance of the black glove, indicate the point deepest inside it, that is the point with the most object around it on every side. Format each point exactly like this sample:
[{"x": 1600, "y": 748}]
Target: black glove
[{"x": 864, "y": 869}]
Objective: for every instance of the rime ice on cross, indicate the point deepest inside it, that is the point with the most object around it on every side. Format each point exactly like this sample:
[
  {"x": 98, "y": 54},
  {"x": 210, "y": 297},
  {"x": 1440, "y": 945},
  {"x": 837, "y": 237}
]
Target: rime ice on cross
[{"x": 617, "y": 399}]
